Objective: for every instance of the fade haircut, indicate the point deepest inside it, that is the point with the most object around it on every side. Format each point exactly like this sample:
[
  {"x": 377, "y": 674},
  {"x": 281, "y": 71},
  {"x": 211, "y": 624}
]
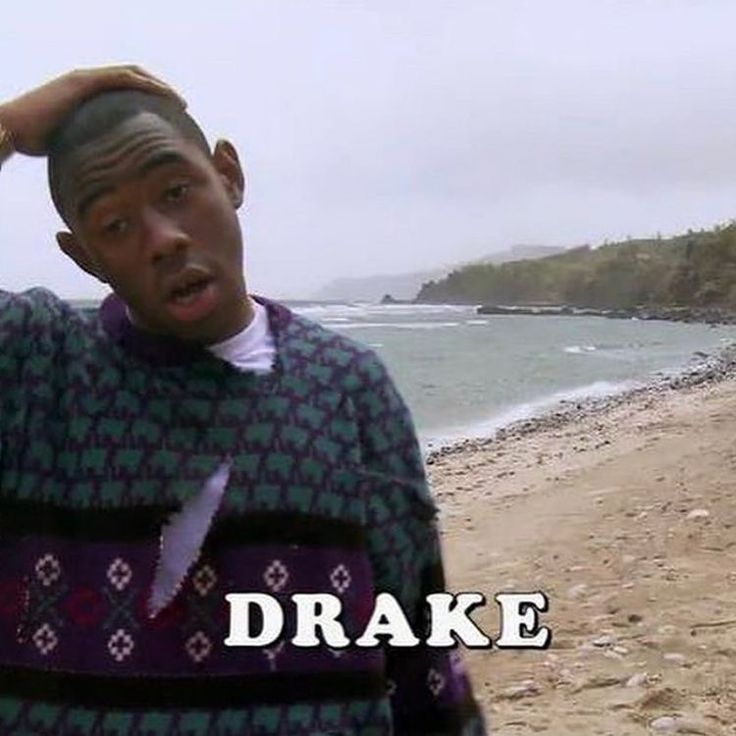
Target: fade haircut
[{"x": 103, "y": 113}]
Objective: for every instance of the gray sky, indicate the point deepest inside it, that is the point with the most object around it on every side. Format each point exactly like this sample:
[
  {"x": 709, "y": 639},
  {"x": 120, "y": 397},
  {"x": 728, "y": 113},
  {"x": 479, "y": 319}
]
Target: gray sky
[{"x": 393, "y": 135}]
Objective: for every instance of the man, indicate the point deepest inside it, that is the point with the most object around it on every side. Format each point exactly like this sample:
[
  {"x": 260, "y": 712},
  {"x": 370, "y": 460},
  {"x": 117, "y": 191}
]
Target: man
[{"x": 190, "y": 442}]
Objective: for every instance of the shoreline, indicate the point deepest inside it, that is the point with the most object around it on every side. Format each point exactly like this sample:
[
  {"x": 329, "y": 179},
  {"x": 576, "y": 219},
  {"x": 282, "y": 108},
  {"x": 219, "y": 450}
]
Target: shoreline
[
  {"x": 714, "y": 368},
  {"x": 621, "y": 511}
]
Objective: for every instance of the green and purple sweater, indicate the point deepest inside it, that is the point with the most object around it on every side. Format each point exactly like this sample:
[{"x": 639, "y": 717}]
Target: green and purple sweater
[{"x": 105, "y": 431}]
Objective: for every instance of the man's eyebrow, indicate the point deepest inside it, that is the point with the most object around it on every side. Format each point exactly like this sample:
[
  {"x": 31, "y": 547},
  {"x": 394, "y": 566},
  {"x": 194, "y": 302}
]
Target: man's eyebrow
[
  {"x": 88, "y": 200},
  {"x": 161, "y": 158}
]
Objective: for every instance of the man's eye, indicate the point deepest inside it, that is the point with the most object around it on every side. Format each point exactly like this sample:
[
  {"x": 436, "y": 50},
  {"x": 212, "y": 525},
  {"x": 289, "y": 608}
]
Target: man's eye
[
  {"x": 176, "y": 192},
  {"x": 115, "y": 227}
]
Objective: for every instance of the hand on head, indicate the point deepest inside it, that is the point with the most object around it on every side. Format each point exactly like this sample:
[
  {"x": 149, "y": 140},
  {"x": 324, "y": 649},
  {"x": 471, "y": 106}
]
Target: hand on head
[{"x": 33, "y": 116}]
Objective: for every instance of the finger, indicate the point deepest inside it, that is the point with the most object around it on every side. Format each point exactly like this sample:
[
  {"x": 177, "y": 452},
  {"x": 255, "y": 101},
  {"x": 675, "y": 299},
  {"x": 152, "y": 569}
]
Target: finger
[
  {"x": 159, "y": 87},
  {"x": 149, "y": 81},
  {"x": 134, "y": 77}
]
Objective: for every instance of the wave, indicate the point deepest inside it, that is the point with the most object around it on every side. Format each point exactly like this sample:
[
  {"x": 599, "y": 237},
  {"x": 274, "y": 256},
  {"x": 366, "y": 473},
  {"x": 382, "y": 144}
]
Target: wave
[
  {"x": 522, "y": 411},
  {"x": 398, "y": 325},
  {"x": 350, "y": 309},
  {"x": 579, "y": 349}
]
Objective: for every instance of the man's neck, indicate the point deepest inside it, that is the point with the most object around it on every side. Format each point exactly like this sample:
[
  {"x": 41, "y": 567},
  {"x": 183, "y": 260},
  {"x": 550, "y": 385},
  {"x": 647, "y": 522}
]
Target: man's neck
[{"x": 250, "y": 311}]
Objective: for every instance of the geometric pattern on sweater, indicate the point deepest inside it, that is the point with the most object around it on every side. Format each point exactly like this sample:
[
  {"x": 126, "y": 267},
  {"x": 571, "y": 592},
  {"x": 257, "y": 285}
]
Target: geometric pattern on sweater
[
  {"x": 363, "y": 717},
  {"x": 85, "y": 609},
  {"x": 104, "y": 434}
]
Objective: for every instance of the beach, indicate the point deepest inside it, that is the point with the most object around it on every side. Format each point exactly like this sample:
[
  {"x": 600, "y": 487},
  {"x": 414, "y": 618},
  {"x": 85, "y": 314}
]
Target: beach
[{"x": 621, "y": 510}]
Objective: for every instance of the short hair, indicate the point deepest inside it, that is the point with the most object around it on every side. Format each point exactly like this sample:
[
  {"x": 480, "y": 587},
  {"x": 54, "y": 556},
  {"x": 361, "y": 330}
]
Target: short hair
[{"x": 101, "y": 114}]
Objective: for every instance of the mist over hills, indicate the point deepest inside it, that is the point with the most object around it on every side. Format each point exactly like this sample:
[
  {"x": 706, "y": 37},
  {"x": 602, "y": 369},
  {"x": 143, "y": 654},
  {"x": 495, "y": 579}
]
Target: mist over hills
[{"x": 407, "y": 285}]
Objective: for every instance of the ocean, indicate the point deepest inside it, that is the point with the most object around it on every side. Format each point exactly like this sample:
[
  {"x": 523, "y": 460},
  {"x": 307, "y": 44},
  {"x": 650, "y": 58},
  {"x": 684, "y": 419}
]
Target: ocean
[{"x": 465, "y": 375}]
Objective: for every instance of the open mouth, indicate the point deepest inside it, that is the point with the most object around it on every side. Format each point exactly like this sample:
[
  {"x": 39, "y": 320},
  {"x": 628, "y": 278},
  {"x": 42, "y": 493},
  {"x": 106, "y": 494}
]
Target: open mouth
[
  {"x": 188, "y": 292},
  {"x": 192, "y": 295}
]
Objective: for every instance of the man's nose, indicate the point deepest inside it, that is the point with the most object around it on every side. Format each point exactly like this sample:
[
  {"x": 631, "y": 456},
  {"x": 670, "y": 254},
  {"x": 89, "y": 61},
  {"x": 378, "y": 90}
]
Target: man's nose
[{"x": 163, "y": 236}]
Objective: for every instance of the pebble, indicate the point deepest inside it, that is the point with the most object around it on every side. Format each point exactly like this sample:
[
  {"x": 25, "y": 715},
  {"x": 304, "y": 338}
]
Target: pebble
[
  {"x": 665, "y": 724},
  {"x": 577, "y": 591},
  {"x": 640, "y": 679},
  {"x": 606, "y": 640},
  {"x": 675, "y": 657},
  {"x": 526, "y": 689},
  {"x": 698, "y": 514}
]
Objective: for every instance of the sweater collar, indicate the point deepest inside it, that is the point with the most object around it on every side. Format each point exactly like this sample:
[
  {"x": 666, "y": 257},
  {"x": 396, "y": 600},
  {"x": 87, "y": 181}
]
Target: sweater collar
[{"x": 168, "y": 350}]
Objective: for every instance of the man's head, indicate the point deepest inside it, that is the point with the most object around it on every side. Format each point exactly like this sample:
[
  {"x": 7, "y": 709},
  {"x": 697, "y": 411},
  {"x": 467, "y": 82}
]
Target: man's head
[{"x": 152, "y": 212}]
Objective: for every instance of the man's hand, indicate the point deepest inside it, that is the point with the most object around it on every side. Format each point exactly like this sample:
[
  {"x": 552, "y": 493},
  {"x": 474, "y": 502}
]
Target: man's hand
[{"x": 32, "y": 117}]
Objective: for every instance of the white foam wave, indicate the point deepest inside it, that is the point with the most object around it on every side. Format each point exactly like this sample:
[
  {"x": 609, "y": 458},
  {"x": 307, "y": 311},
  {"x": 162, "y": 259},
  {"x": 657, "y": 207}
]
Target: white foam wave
[
  {"x": 579, "y": 349},
  {"x": 398, "y": 325},
  {"x": 523, "y": 411},
  {"x": 352, "y": 309}
]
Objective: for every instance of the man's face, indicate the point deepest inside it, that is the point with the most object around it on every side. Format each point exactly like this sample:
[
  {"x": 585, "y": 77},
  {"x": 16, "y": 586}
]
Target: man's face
[{"x": 155, "y": 217}]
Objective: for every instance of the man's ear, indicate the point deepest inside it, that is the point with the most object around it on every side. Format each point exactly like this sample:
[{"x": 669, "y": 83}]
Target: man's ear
[
  {"x": 226, "y": 161},
  {"x": 72, "y": 248}
]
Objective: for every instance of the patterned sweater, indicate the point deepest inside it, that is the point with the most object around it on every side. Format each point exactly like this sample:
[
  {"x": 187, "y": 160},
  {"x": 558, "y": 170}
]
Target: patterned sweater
[{"x": 105, "y": 431}]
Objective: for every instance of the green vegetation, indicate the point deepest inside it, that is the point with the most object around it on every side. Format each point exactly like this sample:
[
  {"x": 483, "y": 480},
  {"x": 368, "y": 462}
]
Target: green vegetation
[{"x": 697, "y": 269}]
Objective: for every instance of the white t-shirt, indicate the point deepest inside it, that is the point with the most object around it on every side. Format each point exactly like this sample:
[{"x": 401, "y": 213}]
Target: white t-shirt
[{"x": 253, "y": 348}]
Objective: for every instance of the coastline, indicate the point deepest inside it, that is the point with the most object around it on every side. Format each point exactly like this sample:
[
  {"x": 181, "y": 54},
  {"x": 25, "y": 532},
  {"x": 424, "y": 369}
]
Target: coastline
[
  {"x": 620, "y": 510},
  {"x": 714, "y": 368}
]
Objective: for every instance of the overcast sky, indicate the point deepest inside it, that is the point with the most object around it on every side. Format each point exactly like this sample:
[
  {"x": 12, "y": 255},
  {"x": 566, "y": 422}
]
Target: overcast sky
[{"x": 387, "y": 136}]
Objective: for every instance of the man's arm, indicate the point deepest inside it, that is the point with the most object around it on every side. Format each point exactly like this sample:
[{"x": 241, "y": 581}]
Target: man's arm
[
  {"x": 26, "y": 124},
  {"x": 30, "y": 119},
  {"x": 430, "y": 690}
]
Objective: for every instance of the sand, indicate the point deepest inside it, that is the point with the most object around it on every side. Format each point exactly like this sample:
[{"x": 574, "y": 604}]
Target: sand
[{"x": 625, "y": 517}]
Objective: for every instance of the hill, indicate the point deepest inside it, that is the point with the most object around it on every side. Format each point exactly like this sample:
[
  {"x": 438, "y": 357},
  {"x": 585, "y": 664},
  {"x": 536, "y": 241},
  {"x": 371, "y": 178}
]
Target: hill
[
  {"x": 697, "y": 269},
  {"x": 406, "y": 285}
]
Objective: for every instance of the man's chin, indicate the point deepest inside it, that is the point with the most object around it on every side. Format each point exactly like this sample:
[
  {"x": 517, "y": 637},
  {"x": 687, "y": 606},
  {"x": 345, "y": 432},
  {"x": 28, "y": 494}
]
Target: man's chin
[{"x": 205, "y": 319}]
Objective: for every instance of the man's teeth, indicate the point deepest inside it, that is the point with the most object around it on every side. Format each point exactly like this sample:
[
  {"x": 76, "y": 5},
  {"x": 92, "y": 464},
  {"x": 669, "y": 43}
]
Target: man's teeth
[{"x": 187, "y": 293}]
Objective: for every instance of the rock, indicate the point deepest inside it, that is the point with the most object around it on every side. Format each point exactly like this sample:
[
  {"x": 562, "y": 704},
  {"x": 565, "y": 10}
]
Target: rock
[
  {"x": 698, "y": 514},
  {"x": 606, "y": 640},
  {"x": 595, "y": 682},
  {"x": 640, "y": 679},
  {"x": 665, "y": 724},
  {"x": 675, "y": 657},
  {"x": 577, "y": 591},
  {"x": 526, "y": 689}
]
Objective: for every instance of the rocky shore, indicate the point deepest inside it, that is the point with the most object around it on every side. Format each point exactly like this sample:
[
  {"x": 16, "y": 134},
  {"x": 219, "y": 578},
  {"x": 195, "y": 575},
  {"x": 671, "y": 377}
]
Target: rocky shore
[{"x": 708, "y": 315}]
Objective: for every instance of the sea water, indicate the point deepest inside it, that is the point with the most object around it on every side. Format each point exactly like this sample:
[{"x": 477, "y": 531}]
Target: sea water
[{"x": 464, "y": 374}]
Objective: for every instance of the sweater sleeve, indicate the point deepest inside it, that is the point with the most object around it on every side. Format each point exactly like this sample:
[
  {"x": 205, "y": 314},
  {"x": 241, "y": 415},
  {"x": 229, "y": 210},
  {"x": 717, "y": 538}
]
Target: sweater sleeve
[
  {"x": 28, "y": 321},
  {"x": 429, "y": 688},
  {"x": 15, "y": 318}
]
